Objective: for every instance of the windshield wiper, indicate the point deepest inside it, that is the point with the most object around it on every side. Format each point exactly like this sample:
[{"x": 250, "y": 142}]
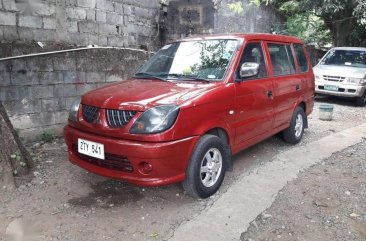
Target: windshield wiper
[
  {"x": 148, "y": 75},
  {"x": 188, "y": 77}
]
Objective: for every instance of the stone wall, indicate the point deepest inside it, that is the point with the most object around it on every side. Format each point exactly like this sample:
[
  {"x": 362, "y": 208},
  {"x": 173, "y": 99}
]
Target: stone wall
[
  {"x": 38, "y": 91},
  {"x": 125, "y": 23}
]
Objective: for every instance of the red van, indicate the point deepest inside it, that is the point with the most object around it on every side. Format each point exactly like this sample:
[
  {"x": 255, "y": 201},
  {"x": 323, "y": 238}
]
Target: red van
[{"x": 193, "y": 105}]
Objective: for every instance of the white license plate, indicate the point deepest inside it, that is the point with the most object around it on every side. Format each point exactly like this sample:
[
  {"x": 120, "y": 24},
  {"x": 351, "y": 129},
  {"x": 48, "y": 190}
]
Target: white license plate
[
  {"x": 90, "y": 148},
  {"x": 331, "y": 87}
]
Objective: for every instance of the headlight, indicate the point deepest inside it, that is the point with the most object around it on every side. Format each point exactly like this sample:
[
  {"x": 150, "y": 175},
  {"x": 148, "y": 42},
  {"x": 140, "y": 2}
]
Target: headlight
[
  {"x": 155, "y": 120},
  {"x": 74, "y": 109},
  {"x": 357, "y": 81},
  {"x": 317, "y": 77}
]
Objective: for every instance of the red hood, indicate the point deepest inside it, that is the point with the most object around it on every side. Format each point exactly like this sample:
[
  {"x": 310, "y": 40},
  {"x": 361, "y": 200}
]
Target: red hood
[{"x": 141, "y": 94}]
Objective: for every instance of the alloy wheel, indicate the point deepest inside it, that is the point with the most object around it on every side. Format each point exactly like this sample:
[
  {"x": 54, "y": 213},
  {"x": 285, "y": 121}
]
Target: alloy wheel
[
  {"x": 211, "y": 167},
  {"x": 299, "y": 125}
]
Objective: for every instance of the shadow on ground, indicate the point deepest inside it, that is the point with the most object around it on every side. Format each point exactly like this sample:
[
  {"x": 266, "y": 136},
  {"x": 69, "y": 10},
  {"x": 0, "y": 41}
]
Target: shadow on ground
[{"x": 109, "y": 193}]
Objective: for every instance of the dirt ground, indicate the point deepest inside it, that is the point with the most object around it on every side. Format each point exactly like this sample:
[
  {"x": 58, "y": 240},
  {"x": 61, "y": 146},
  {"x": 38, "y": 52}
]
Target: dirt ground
[
  {"x": 327, "y": 202},
  {"x": 64, "y": 202}
]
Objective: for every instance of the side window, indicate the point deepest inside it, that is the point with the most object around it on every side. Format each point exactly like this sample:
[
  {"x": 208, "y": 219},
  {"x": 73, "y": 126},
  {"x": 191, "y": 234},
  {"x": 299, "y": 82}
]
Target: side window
[
  {"x": 301, "y": 58},
  {"x": 282, "y": 59},
  {"x": 253, "y": 53},
  {"x": 291, "y": 57}
]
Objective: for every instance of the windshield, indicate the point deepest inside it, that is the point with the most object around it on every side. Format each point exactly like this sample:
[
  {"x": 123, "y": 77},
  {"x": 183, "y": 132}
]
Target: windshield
[
  {"x": 353, "y": 58},
  {"x": 192, "y": 60}
]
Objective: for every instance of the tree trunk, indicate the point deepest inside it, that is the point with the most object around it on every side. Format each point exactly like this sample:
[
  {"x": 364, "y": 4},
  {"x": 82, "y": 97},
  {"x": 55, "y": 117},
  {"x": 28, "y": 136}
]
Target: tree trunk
[
  {"x": 341, "y": 31},
  {"x": 14, "y": 158},
  {"x": 341, "y": 24}
]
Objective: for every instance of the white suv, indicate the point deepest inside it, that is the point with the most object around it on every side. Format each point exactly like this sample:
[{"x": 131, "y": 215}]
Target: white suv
[{"x": 342, "y": 72}]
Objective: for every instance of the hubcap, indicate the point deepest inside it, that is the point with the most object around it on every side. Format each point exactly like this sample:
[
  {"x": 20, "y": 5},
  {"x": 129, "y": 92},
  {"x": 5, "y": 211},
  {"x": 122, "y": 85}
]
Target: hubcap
[
  {"x": 299, "y": 125},
  {"x": 211, "y": 167}
]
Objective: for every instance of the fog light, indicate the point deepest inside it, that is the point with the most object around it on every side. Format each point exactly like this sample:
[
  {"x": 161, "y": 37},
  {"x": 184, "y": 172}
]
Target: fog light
[{"x": 145, "y": 168}]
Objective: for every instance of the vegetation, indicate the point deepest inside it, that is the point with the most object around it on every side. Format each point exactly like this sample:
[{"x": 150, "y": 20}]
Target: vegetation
[
  {"x": 341, "y": 22},
  {"x": 47, "y": 137}
]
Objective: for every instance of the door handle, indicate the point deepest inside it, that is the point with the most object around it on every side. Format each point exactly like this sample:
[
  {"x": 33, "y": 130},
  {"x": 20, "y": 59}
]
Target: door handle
[
  {"x": 297, "y": 87},
  {"x": 270, "y": 94}
]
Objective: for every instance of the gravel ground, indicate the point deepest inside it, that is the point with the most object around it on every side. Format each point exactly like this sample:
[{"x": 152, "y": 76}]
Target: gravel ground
[
  {"x": 326, "y": 202},
  {"x": 64, "y": 202}
]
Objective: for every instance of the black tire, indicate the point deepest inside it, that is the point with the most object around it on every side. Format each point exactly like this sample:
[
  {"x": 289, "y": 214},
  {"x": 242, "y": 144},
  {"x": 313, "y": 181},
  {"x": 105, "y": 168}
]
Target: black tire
[
  {"x": 291, "y": 134},
  {"x": 194, "y": 185},
  {"x": 361, "y": 101}
]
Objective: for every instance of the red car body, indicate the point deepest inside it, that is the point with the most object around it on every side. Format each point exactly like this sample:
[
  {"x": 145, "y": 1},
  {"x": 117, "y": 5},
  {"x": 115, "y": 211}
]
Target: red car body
[{"x": 241, "y": 111}]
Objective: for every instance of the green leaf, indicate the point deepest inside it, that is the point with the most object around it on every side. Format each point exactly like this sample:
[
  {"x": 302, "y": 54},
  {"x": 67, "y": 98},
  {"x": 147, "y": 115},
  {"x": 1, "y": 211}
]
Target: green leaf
[
  {"x": 236, "y": 7},
  {"x": 256, "y": 2},
  {"x": 154, "y": 235}
]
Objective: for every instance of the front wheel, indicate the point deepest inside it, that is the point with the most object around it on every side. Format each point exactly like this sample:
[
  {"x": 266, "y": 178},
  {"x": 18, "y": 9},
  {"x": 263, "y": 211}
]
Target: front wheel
[
  {"x": 294, "y": 133},
  {"x": 207, "y": 167},
  {"x": 361, "y": 101}
]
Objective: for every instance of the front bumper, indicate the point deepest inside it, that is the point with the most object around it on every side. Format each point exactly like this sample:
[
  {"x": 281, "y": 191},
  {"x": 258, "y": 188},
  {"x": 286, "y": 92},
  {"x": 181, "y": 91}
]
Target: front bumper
[
  {"x": 168, "y": 159},
  {"x": 344, "y": 90}
]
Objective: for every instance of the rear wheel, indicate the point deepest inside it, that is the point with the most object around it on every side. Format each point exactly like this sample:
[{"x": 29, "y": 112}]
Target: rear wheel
[
  {"x": 294, "y": 133},
  {"x": 361, "y": 101},
  {"x": 207, "y": 167}
]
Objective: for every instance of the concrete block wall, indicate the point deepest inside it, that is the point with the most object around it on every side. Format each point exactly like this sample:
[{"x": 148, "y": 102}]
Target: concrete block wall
[
  {"x": 38, "y": 91},
  {"x": 251, "y": 19},
  {"x": 211, "y": 16},
  {"x": 128, "y": 23}
]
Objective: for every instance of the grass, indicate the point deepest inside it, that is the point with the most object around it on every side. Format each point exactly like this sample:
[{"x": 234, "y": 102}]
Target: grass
[{"x": 47, "y": 136}]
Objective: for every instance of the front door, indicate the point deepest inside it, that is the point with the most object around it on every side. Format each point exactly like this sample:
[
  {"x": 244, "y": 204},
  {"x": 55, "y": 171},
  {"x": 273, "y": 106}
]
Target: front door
[{"x": 254, "y": 97}]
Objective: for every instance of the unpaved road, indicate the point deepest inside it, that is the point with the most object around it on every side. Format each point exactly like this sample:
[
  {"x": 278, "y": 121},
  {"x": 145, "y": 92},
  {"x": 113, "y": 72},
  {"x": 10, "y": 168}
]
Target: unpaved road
[
  {"x": 327, "y": 202},
  {"x": 64, "y": 202}
]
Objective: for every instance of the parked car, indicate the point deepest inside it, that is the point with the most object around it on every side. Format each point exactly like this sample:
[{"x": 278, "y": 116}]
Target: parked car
[
  {"x": 342, "y": 72},
  {"x": 192, "y": 106}
]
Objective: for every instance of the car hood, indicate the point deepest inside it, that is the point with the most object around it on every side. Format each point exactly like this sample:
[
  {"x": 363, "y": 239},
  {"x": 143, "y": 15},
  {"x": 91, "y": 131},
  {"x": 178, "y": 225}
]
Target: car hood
[
  {"x": 343, "y": 71},
  {"x": 141, "y": 94}
]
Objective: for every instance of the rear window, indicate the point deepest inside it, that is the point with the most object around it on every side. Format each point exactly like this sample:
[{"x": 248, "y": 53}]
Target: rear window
[
  {"x": 282, "y": 59},
  {"x": 301, "y": 58}
]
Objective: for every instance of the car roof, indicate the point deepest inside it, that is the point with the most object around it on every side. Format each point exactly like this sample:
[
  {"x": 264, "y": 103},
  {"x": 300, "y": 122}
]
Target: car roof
[
  {"x": 248, "y": 36},
  {"x": 349, "y": 48}
]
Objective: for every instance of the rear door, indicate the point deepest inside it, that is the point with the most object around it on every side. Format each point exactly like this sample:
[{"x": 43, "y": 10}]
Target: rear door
[
  {"x": 286, "y": 83},
  {"x": 254, "y": 99},
  {"x": 306, "y": 74}
]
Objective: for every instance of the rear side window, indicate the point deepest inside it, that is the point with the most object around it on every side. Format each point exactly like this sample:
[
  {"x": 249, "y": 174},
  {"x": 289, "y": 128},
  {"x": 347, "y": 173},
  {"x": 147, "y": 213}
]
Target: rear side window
[
  {"x": 301, "y": 58},
  {"x": 282, "y": 59}
]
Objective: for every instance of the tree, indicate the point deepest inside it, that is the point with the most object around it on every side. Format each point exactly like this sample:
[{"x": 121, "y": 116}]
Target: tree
[
  {"x": 338, "y": 15},
  {"x": 14, "y": 158},
  {"x": 345, "y": 19}
]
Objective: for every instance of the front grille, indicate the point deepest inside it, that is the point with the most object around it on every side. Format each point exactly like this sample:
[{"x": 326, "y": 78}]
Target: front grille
[
  {"x": 112, "y": 161},
  {"x": 119, "y": 118},
  {"x": 90, "y": 113},
  {"x": 334, "y": 78}
]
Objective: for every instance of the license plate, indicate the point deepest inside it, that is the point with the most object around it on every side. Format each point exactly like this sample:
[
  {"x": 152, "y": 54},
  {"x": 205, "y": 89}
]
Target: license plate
[
  {"x": 90, "y": 148},
  {"x": 331, "y": 87}
]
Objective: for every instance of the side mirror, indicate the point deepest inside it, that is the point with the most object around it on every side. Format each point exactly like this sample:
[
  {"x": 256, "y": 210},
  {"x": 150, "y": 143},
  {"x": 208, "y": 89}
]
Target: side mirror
[{"x": 249, "y": 69}]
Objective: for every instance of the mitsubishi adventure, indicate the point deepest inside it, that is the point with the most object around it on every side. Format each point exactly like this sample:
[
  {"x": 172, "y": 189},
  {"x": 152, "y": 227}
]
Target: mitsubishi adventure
[{"x": 190, "y": 108}]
